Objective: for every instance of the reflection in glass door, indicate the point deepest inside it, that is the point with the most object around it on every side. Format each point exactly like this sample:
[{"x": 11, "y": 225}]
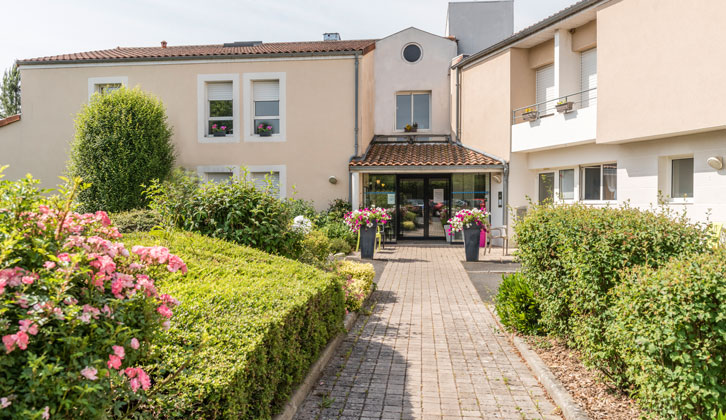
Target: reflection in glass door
[
  {"x": 438, "y": 206},
  {"x": 411, "y": 208}
]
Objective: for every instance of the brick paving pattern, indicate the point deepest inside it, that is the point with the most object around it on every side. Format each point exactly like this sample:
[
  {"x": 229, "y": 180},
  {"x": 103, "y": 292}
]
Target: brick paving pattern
[{"x": 429, "y": 349}]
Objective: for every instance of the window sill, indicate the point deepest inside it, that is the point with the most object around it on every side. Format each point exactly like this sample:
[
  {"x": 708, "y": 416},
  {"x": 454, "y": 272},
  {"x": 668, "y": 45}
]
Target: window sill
[
  {"x": 682, "y": 201},
  {"x": 599, "y": 202},
  {"x": 230, "y": 138},
  {"x": 256, "y": 138}
]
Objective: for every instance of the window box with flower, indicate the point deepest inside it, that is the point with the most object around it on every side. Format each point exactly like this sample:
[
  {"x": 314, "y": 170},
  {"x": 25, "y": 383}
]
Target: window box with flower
[
  {"x": 530, "y": 114},
  {"x": 219, "y": 131},
  {"x": 264, "y": 129},
  {"x": 564, "y": 106}
]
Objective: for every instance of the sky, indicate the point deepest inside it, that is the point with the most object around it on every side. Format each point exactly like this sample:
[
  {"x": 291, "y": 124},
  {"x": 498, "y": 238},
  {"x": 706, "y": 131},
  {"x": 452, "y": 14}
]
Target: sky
[{"x": 33, "y": 28}]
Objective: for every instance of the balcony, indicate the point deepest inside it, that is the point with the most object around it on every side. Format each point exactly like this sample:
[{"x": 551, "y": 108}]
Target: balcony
[{"x": 566, "y": 121}]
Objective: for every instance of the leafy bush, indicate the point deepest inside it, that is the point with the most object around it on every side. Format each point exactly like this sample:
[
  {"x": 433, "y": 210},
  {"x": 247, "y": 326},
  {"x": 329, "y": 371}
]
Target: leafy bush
[
  {"x": 358, "y": 282},
  {"x": 409, "y": 216},
  {"x": 516, "y": 305},
  {"x": 141, "y": 220},
  {"x": 340, "y": 245},
  {"x": 573, "y": 255},
  {"x": 339, "y": 230},
  {"x": 257, "y": 323},
  {"x": 337, "y": 210},
  {"x": 122, "y": 142},
  {"x": 669, "y": 325},
  {"x": 408, "y": 225},
  {"x": 77, "y": 309},
  {"x": 235, "y": 211},
  {"x": 297, "y": 207},
  {"x": 315, "y": 249}
]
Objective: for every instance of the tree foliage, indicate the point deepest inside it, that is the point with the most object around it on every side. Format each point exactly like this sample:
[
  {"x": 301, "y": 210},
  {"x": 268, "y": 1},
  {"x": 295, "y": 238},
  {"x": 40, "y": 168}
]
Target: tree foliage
[{"x": 10, "y": 92}]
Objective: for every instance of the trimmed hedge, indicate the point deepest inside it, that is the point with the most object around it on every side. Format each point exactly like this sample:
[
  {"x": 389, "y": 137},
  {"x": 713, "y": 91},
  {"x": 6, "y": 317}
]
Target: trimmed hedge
[
  {"x": 669, "y": 324},
  {"x": 358, "y": 285},
  {"x": 573, "y": 255},
  {"x": 257, "y": 321},
  {"x": 516, "y": 305},
  {"x": 141, "y": 220}
]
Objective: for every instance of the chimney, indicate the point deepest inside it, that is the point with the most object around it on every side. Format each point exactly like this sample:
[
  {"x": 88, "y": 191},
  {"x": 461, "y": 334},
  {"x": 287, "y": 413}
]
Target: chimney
[
  {"x": 331, "y": 36},
  {"x": 163, "y": 44}
]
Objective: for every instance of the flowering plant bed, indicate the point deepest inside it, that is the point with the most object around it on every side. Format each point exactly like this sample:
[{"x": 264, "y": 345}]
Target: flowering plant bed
[
  {"x": 78, "y": 311},
  {"x": 357, "y": 219},
  {"x": 469, "y": 218}
]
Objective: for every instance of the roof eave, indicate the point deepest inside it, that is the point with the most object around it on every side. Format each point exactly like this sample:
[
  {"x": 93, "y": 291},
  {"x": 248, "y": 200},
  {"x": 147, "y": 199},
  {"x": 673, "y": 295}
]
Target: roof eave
[{"x": 422, "y": 168}]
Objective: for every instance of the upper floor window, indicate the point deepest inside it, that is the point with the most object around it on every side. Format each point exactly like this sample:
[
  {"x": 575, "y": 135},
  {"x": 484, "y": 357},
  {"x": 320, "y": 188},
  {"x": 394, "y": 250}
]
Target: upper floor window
[
  {"x": 588, "y": 77},
  {"x": 414, "y": 109},
  {"x": 218, "y": 108},
  {"x": 545, "y": 89},
  {"x": 266, "y": 97},
  {"x": 412, "y": 53},
  {"x": 105, "y": 88},
  {"x": 105, "y": 85},
  {"x": 599, "y": 182}
]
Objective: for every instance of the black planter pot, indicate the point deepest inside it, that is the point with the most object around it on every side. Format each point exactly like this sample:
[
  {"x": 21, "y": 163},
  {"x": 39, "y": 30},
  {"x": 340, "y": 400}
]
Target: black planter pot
[
  {"x": 219, "y": 134},
  {"x": 471, "y": 242},
  {"x": 368, "y": 241},
  {"x": 265, "y": 133}
]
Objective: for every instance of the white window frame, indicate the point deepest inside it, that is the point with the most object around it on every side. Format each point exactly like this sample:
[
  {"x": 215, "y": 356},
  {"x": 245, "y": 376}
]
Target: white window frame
[
  {"x": 248, "y": 108},
  {"x": 413, "y": 92},
  {"x": 203, "y": 170},
  {"x": 575, "y": 185},
  {"x": 281, "y": 169},
  {"x": 555, "y": 186},
  {"x": 669, "y": 174},
  {"x": 93, "y": 82},
  {"x": 581, "y": 172},
  {"x": 202, "y": 107}
]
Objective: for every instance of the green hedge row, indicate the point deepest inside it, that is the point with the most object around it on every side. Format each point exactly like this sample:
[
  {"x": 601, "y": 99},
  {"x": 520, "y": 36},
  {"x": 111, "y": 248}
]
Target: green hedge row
[
  {"x": 616, "y": 284},
  {"x": 257, "y": 323}
]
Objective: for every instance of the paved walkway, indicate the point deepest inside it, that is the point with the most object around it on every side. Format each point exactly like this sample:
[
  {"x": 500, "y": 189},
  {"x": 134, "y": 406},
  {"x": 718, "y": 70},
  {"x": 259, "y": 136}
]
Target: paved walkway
[{"x": 428, "y": 350}]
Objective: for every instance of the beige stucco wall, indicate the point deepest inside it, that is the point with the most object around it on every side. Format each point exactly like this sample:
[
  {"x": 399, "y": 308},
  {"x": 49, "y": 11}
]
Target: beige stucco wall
[
  {"x": 585, "y": 37},
  {"x": 486, "y": 105},
  {"x": 523, "y": 91},
  {"x": 542, "y": 54},
  {"x": 367, "y": 97},
  {"x": 660, "y": 68},
  {"x": 319, "y": 113}
]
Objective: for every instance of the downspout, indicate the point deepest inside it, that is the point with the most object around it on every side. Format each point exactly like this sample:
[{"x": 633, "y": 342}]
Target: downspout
[
  {"x": 505, "y": 194},
  {"x": 458, "y": 102},
  {"x": 355, "y": 132}
]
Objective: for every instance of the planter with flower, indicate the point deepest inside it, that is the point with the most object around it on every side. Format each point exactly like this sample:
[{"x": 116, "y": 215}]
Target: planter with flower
[
  {"x": 264, "y": 129},
  {"x": 219, "y": 130},
  {"x": 365, "y": 222},
  {"x": 564, "y": 106},
  {"x": 471, "y": 222},
  {"x": 411, "y": 128},
  {"x": 530, "y": 114}
]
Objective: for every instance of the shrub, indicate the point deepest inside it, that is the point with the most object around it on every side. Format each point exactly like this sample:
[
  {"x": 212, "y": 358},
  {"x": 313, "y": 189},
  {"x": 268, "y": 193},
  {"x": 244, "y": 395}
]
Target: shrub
[
  {"x": 340, "y": 245},
  {"x": 122, "y": 142},
  {"x": 573, "y": 255},
  {"x": 141, "y": 220},
  {"x": 77, "y": 309},
  {"x": 339, "y": 230},
  {"x": 409, "y": 216},
  {"x": 358, "y": 282},
  {"x": 337, "y": 210},
  {"x": 669, "y": 324},
  {"x": 315, "y": 249},
  {"x": 408, "y": 225},
  {"x": 257, "y": 323},
  {"x": 234, "y": 211},
  {"x": 516, "y": 306},
  {"x": 297, "y": 207}
]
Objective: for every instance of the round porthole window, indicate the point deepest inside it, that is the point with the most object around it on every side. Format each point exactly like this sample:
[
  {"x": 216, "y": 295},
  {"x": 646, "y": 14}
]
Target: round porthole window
[{"x": 412, "y": 53}]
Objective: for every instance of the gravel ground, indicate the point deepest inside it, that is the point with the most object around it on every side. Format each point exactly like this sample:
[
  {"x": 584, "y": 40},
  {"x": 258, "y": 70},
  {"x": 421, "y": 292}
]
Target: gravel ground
[{"x": 589, "y": 392}]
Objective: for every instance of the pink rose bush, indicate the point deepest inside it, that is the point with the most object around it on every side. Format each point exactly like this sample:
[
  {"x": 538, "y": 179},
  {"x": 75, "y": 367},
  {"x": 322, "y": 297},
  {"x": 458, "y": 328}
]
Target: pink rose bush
[
  {"x": 469, "y": 217},
  {"x": 77, "y": 309},
  {"x": 366, "y": 217}
]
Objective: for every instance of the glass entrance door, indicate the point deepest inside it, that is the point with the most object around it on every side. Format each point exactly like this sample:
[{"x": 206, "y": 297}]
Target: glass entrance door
[{"x": 424, "y": 205}]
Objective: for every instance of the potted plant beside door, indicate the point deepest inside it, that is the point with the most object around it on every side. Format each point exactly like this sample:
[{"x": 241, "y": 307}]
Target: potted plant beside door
[
  {"x": 472, "y": 222},
  {"x": 365, "y": 222}
]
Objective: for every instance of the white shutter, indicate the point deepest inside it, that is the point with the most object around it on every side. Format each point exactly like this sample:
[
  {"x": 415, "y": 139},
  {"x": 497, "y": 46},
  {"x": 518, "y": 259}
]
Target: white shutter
[
  {"x": 219, "y": 91},
  {"x": 545, "y": 80},
  {"x": 588, "y": 77},
  {"x": 258, "y": 178},
  {"x": 266, "y": 90}
]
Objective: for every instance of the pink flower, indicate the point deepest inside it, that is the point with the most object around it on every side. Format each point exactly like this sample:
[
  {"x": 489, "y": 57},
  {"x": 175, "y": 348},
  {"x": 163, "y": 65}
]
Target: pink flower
[
  {"x": 137, "y": 378},
  {"x": 49, "y": 265},
  {"x": 5, "y": 402},
  {"x": 22, "y": 339},
  {"x": 214, "y": 126},
  {"x": 89, "y": 373},
  {"x": 176, "y": 263},
  {"x": 46, "y": 413},
  {"x": 64, "y": 257},
  {"x": 9, "y": 342},
  {"x": 164, "y": 311},
  {"x": 119, "y": 351},
  {"x": 28, "y": 280},
  {"x": 224, "y": 127},
  {"x": 166, "y": 325},
  {"x": 28, "y": 326},
  {"x": 114, "y": 362},
  {"x": 134, "y": 343}
]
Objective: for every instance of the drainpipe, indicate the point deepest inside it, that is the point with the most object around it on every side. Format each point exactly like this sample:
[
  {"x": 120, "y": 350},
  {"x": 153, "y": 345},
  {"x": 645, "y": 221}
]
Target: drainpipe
[
  {"x": 458, "y": 101},
  {"x": 355, "y": 131},
  {"x": 505, "y": 194}
]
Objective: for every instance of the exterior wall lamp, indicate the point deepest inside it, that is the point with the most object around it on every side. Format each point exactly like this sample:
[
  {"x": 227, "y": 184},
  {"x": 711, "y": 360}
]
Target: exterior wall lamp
[
  {"x": 333, "y": 180},
  {"x": 715, "y": 162}
]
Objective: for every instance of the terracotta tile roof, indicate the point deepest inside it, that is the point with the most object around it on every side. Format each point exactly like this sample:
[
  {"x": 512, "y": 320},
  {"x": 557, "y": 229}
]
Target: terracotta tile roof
[
  {"x": 422, "y": 154},
  {"x": 207, "y": 51},
  {"x": 9, "y": 120}
]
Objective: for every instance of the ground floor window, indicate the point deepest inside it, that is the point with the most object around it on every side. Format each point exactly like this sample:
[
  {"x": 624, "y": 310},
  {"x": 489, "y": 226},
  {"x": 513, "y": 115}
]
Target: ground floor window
[
  {"x": 599, "y": 182},
  {"x": 267, "y": 181},
  {"x": 682, "y": 178},
  {"x": 546, "y": 187},
  {"x": 567, "y": 184}
]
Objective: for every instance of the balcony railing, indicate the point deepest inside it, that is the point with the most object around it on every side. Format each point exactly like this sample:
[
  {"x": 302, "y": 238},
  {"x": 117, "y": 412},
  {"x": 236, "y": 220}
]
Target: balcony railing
[{"x": 567, "y": 103}]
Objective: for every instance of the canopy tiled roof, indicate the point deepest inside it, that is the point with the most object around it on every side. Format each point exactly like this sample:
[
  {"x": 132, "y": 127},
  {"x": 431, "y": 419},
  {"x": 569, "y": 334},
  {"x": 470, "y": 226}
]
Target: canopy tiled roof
[
  {"x": 422, "y": 154},
  {"x": 206, "y": 51}
]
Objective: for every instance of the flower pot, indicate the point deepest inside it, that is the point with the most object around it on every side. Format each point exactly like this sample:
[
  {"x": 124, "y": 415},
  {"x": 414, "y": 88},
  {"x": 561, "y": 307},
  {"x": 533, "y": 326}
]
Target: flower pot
[
  {"x": 530, "y": 116},
  {"x": 219, "y": 134},
  {"x": 449, "y": 233},
  {"x": 564, "y": 107},
  {"x": 368, "y": 241},
  {"x": 472, "y": 233},
  {"x": 265, "y": 133}
]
